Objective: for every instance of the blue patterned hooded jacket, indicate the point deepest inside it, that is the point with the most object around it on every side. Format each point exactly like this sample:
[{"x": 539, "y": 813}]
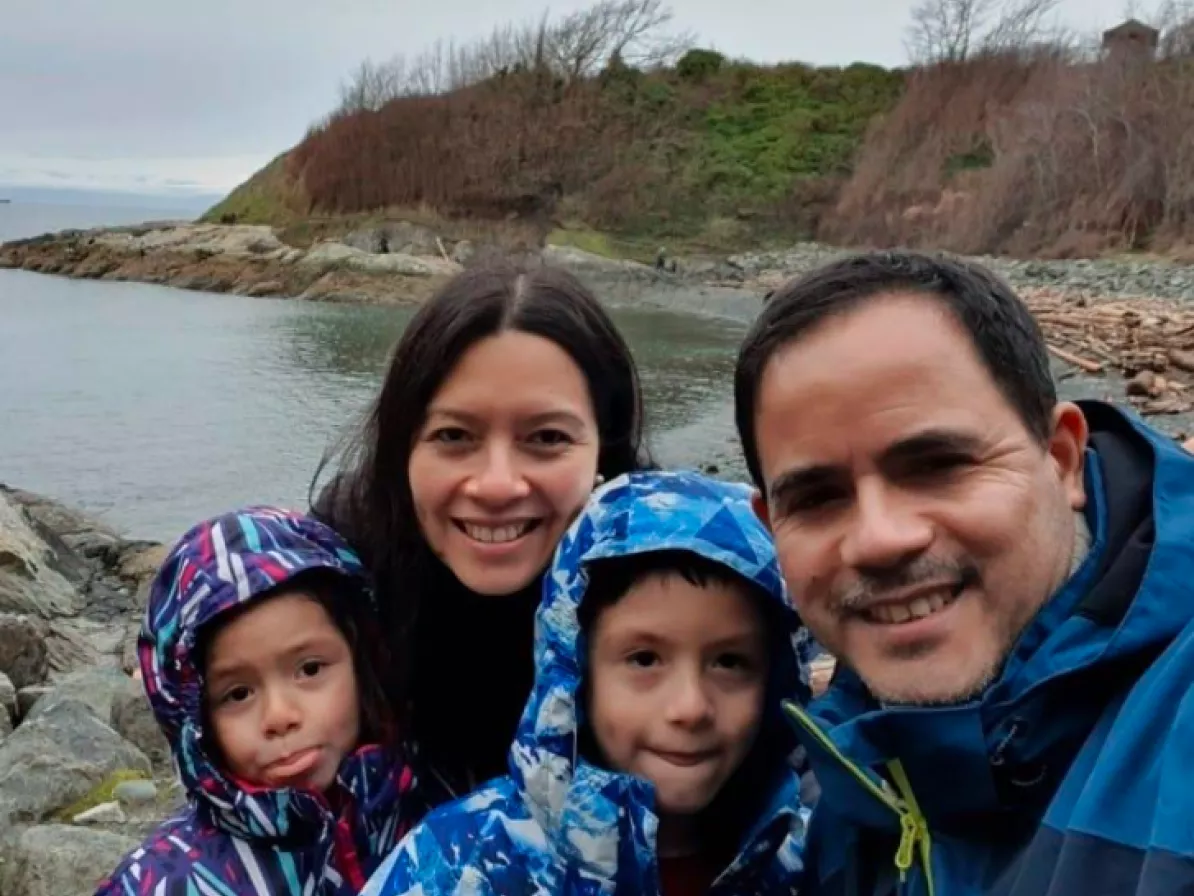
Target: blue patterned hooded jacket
[
  {"x": 561, "y": 825},
  {"x": 234, "y": 838}
]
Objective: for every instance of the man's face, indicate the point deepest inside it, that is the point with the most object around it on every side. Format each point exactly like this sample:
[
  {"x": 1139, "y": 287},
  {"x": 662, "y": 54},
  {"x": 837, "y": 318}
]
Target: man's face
[{"x": 919, "y": 524}]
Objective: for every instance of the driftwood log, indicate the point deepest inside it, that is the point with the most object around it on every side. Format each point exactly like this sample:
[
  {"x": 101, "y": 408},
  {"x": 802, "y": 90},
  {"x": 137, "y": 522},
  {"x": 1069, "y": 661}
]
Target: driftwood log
[{"x": 1149, "y": 342}]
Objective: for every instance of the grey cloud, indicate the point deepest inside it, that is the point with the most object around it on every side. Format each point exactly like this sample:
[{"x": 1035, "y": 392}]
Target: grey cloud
[{"x": 240, "y": 80}]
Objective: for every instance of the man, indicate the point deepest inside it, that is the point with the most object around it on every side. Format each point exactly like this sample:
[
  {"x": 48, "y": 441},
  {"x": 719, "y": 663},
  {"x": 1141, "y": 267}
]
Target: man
[{"x": 1005, "y": 580}]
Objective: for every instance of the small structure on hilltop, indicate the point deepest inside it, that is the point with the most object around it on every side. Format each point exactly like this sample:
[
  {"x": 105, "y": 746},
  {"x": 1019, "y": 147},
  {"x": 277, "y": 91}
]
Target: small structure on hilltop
[{"x": 1132, "y": 40}]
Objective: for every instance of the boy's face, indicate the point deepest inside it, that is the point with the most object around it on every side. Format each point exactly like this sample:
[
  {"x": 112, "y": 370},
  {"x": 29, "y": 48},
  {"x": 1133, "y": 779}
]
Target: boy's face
[
  {"x": 677, "y": 677},
  {"x": 281, "y": 693}
]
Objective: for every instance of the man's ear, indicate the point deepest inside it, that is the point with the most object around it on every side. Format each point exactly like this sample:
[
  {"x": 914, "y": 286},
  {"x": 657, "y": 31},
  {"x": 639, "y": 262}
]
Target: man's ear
[
  {"x": 759, "y": 504},
  {"x": 1067, "y": 448}
]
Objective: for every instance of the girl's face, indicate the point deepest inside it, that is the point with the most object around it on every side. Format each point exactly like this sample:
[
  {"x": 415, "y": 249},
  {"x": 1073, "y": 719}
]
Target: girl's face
[
  {"x": 281, "y": 692},
  {"x": 505, "y": 460}
]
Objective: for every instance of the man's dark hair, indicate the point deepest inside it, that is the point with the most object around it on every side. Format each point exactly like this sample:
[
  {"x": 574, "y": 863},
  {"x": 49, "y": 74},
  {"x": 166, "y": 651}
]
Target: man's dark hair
[{"x": 1002, "y": 329}]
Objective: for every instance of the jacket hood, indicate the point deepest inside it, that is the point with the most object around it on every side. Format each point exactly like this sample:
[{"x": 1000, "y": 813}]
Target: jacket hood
[
  {"x": 579, "y": 806},
  {"x": 1006, "y": 751},
  {"x": 217, "y": 567}
]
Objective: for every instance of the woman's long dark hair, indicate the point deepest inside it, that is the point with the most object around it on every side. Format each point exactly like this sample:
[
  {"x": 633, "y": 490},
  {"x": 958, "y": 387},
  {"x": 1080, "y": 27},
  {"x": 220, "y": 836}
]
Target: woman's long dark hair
[{"x": 463, "y": 663}]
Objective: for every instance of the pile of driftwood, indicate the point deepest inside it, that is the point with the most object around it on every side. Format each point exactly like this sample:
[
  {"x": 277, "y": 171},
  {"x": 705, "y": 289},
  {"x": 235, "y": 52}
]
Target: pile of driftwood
[{"x": 1149, "y": 342}]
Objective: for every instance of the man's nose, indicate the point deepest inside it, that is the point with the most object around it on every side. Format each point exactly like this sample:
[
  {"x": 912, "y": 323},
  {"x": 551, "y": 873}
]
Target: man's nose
[{"x": 886, "y": 530}]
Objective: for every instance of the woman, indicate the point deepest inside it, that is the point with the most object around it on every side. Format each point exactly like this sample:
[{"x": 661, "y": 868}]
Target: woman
[{"x": 509, "y": 397}]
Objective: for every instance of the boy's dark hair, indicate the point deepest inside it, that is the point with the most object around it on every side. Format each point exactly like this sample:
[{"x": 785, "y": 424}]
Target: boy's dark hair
[
  {"x": 724, "y": 820},
  {"x": 611, "y": 578},
  {"x": 343, "y": 599},
  {"x": 1006, "y": 337}
]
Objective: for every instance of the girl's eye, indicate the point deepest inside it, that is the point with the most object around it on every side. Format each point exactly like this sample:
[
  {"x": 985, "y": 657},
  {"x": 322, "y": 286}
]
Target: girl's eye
[
  {"x": 311, "y": 668},
  {"x": 643, "y": 659},
  {"x": 238, "y": 694}
]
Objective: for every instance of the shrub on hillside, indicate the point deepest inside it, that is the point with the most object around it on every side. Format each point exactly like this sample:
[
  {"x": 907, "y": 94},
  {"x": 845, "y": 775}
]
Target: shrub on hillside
[{"x": 1028, "y": 153}]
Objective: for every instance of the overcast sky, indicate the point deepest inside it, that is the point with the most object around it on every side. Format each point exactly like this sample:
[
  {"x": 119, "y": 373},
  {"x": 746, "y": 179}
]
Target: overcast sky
[{"x": 169, "y": 96}]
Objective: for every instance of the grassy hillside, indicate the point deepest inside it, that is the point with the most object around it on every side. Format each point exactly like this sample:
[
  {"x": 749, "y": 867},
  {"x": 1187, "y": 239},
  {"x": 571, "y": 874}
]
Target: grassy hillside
[{"x": 711, "y": 153}]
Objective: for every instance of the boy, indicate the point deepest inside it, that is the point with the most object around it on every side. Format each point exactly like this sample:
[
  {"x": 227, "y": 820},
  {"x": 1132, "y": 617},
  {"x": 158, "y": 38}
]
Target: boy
[
  {"x": 651, "y": 757},
  {"x": 260, "y": 657}
]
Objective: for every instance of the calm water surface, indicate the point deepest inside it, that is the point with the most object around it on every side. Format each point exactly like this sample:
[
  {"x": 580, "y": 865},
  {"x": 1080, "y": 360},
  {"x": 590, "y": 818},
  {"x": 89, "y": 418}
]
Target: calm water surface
[{"x": 152, "y": 407}]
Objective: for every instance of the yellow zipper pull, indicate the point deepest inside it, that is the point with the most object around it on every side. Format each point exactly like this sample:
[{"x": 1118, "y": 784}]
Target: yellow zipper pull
[{"x": 909, "y": 834}]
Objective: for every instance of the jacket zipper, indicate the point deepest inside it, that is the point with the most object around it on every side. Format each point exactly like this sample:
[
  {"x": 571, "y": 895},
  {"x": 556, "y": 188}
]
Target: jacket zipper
[{"x": 915, "y": 840}]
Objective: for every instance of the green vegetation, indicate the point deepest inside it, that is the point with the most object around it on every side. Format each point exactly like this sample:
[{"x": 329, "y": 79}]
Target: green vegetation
[
  {"x": 710, "y": 155},
  {"x": 104, "y": 792}
]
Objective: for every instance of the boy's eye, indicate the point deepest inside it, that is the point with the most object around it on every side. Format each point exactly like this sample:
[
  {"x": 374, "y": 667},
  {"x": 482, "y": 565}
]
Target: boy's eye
[
  {"x": 736, "y": 662},
  {"x": 643, "y": 659},
  {"x": 311, "y": 668}
]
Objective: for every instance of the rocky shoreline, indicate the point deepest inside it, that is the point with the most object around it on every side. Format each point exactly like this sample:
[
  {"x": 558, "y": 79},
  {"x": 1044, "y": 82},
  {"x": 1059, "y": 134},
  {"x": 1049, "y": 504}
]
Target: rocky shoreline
[
  {"x": 404, "y": 263},
  {"x": 1121, "y": 329},
  {"x": 84, "y": 771}
]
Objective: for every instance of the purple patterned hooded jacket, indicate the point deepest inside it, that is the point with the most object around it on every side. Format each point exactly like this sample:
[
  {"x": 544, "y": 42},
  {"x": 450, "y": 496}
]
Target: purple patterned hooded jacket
[{"x": 233, "y": 838}]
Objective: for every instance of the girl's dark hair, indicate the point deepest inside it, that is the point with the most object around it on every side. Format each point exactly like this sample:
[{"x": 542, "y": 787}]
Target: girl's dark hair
[
  {"x": 345, "y": 602},
  {"x": 724, "y": 822},
  {"x": 464, "y": 663}
]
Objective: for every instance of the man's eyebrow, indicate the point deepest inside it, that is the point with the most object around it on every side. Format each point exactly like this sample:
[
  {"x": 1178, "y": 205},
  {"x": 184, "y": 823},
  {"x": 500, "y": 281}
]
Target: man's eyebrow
[
  {"x": 798, "y": 478},
  {"x": 932, "y": 441},
  {"x": 927, "y": 442}
]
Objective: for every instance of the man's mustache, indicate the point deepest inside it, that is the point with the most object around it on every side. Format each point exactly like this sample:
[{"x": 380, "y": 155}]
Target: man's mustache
[{"x": 874, "y": 586}]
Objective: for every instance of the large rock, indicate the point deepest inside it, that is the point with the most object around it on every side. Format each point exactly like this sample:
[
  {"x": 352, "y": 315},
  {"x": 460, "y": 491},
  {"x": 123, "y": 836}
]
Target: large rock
[
  {"x": 61, "y": 860},
  {"x": 52, "y": 761},
  {"x": 29, "y": 583},
  {"x": 8, "y": 695},
  {"x": 395, "y": 237},
  {"x": 6, "y": 723},
  {"x": 331, "y": 253},
  {"x": 133, "y": 719},
  {"x": 24, "y": 657},
  {"x": 99, "y": 690}
]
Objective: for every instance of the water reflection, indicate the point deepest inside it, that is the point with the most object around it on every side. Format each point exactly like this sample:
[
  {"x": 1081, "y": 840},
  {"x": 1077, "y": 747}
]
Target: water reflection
[{"x": 153, "y": 407}]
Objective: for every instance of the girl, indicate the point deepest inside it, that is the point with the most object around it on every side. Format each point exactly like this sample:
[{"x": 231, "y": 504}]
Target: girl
[
  {"x": 509, "y": 396},
  {"x": 257, "y": 657}
]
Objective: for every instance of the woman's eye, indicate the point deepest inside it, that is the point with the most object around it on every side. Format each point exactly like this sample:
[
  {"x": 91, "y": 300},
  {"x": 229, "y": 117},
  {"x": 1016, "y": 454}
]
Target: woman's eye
[
  {"x": 551, "y": 438},
  {"x": 311, "y": 668},
  {"x": 450, "y": 435}
]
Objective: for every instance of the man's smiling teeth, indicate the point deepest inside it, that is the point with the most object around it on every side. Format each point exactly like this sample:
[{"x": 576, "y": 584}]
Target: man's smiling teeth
[
  {"x": 496, "y": 534},
  {"x": 917, "y": 608}
]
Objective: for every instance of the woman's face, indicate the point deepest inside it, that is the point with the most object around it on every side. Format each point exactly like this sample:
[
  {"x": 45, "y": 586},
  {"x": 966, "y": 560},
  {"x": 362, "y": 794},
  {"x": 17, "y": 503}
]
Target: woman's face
[{"x": 505, "y": 460}]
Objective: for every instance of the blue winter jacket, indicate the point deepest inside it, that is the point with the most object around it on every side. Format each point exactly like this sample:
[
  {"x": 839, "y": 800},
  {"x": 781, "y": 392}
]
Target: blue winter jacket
[
  {"x": 560, "y": 825},
  {"x": 1073, "y": 774}
]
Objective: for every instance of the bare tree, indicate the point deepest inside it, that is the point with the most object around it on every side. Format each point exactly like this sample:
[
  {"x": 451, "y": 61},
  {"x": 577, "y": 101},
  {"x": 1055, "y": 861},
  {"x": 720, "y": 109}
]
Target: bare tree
[
  {"x": 372, "y": 85},
  {"x": 636, "y": 30},
  {"x": 1019, "y": 24},
  {"x": 1175, "y": 20},
  {"x": 945, "y": 30},
  {"x": 955, "y": 30},
  {"x": 577, "y": 46}
]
